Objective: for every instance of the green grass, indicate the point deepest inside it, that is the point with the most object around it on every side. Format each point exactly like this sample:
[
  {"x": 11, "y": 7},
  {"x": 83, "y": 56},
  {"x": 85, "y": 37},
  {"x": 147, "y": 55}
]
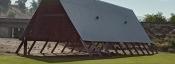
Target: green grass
[{"x": 161, "y": 58}]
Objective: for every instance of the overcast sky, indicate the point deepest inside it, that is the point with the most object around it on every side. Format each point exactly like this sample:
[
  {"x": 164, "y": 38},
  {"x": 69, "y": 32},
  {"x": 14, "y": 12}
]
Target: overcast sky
[{"x": 142, "y": 7}]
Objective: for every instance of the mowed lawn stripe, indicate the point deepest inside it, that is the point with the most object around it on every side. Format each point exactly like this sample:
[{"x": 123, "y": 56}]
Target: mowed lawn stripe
[{"x": 161, "y": 58}]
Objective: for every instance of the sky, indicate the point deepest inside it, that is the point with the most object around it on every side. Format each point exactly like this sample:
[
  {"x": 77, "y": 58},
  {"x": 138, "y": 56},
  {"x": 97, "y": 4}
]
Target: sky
[{"x": 142, "y": 7}]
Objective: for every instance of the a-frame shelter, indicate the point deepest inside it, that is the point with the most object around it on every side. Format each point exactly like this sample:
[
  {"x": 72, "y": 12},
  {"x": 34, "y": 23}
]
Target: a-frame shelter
[{"x": 88, "y": 26}]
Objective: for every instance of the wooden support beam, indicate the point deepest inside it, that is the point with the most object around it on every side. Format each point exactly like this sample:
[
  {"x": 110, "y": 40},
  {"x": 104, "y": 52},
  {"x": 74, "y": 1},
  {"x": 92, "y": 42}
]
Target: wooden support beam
[
  {"x": 150, "y": 48},
  {"x": 31, "y": 47},
  {"x": 80, "y": 49},
  {"x": 134, "y": 46},
  {"x": 143, "y": 44},
  {"x": 90, "y": 45},
  {"x": 127, "y": 47},
  {"x": 25, "y": 47},
  {"x": 64, "y": 47},
  {"x": 121, "y": 48},
  {"x": 106, "y": 45},
  {"x": 96, "y": 46},
  {"x": 54, "y": 47},
  {"x": 44, "y": 47},
  {"x": 116, "y": 51},
  {"x": 86, "y": 47},
  {"x": 18, "y": 49},
  {"x": 73, "y": 49},
  {"x": 140, "y": 48},
  {"x": 101, "y": 48}
]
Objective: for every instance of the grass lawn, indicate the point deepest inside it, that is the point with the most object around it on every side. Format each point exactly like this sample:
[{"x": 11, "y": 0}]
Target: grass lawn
[{"x": 161, "y": 58}]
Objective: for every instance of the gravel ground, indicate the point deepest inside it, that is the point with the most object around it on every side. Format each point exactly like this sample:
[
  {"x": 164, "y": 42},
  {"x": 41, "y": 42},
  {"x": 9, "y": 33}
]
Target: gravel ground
[{"x": 9, "y": 45}]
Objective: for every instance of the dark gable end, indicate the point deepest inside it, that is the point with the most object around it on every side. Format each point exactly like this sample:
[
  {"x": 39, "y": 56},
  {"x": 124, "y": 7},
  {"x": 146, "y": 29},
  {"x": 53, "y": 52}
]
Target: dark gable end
[{"x": 51, "y": 23}]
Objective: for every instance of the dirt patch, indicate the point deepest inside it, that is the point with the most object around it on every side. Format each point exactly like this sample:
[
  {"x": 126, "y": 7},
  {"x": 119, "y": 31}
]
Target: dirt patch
[{"x": 9, "y": 45}]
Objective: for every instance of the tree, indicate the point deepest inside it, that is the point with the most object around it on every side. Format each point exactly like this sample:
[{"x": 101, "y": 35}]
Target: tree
[
  {"x": 155, "y": 18},
  {"x": 34, "y": 6},
  {"x": 4, "y": 5},
  {"x": 21, "y": 5},
  {"x": 11, "y": 14},
  {"x": 172, "y": 19}
]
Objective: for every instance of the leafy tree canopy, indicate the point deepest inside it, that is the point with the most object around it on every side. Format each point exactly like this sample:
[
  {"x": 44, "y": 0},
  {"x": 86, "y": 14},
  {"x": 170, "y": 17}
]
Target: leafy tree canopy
[
  {"x": 34, "y": 5},
  {"x": 172, "y": 18},
  {"x": 21, "y": 5},
  {"x": 155, "y": 18}
]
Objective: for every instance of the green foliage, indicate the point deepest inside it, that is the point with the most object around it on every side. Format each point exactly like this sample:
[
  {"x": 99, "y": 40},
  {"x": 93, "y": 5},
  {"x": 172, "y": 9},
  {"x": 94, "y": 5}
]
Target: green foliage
[
  {"x": 4, "y": 5},
  {"x": 173, "y": 44},
  {"x": 34, "y": 5},
  {"x": 155, "y": 18},
  {"x": 21, "y": 5},
  {"x": 172, "y": 18},
  {"x": 171, "y": 39},
  {"x": 165, "y": 44},
  {"x": 11, "y": 14}
]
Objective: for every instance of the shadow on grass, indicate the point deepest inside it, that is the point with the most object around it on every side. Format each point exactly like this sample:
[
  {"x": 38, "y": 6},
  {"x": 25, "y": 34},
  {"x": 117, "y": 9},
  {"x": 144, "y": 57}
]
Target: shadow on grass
[{"x": 72, "y": 58}]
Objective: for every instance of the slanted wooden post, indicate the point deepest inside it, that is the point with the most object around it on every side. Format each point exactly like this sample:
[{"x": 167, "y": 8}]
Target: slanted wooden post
[
  {"x": 96, "y": 46},
  {"x": 106, "y": 47},
  {"x": 141, "y": 48},
  {"x": 85, "y": 46},
  {"x": 113, "y": 45},
  {"x": 44, "y": 47},
  {"x": 150, "y": 48},
  {"x": 127, "y": 47},
  {"x": 121, "y": 48},
  {"x": 90, "y": 45},
  {"x": 101, "y": 48},
  {"x": 143, "y": 44},
  {"x": 18, "y": 49},
  {"x": 31, "y": 47},
  {"x": 87, "y": 50},
  {"x": 25, "y": 47},
  {"x": 73, "y": 47},
  {"x": 54, "y": 47},
  {"x": 133, "y": 45},
  {"x": 64, "y": 47}
]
